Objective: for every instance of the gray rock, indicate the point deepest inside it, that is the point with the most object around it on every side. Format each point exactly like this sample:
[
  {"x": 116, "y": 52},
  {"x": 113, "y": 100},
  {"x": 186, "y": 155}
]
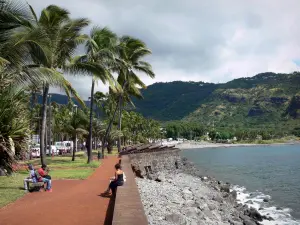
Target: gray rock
[
  {"x": 249, "y": 202},
  {"x": 249, "y": 222},
  {"x": 191, "y": 212},
  {"x": 253, "y": 213},
  {"x": 190, "y": 203},
  {"x": 209, "y": 214},
  {"x": 225, "y": 188},
  {"x": 211, "y": 206},
  {"x": 266, "y": 200},
  {"x": 217, "y": 199},
  {"x": 233, "y": 222},
  {"x": 234, "y": 194},
  {"x": 176, "y": 219},
  {"x": 182, "y": 198}
]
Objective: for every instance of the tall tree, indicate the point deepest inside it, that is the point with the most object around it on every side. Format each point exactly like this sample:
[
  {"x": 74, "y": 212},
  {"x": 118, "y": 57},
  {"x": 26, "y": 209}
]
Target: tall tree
[
  {"x": 76, "y": 127},
  {"x": 131, "y": 53},
  {"x": 53, "y": 37},
  {"x": 100, "y": 48}
]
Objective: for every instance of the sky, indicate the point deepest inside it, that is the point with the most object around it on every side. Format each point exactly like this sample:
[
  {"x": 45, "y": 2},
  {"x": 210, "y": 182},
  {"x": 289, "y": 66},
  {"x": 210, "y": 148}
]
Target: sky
[{"x": 198, "y": 40}]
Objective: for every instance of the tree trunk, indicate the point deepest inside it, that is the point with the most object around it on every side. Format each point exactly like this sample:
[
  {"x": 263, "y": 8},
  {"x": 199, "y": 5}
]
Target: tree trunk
[
  {"x": 32, "y": 116},
  {"x": 109, "y": 147},
  {"x": 95, "y": 143},
  {"x": 90, "y": 146},
  {"x": 120, "y": 122},
  {"x": 50, "y": 130},
  {"x": 44, "y": 120},
  {"x": 108, "y": 130},
  {"x": 74, "y": 146},
  {"x": 46, "y": 139}
]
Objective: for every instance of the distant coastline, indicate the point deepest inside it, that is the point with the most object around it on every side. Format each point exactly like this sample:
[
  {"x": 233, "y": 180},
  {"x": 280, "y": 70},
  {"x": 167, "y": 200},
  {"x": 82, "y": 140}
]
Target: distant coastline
[{"x": 193, "y": 145}]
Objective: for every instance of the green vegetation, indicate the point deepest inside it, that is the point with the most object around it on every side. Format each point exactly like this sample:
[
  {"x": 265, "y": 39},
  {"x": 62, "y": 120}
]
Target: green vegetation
[
  {"x": 266, "y": 103},
  {"x": 71, "y": 173},
  {"x": 36, "y": 51},
  {"x": 11, "y": 188},
  {"x": 65, "y": 162}
]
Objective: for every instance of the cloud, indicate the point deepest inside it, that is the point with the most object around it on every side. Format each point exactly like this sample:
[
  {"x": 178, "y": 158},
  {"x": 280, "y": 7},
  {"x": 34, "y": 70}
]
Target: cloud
[{"x": 199, "y": 40}]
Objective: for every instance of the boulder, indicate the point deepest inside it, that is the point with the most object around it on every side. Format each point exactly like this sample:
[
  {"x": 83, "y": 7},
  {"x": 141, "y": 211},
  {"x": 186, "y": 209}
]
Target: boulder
[
  {"x": 211, "y": 206},
  {"x": 254, "y": 214},
  {"x": 191, "y": 212},
  {"x": 233, "y": 222},
  {"x": 190, "y": 203},
  {"x": 249, "y": 222},
  {"x": 266, "y": 200},
  {"x": 217, "y": 199},
  {"x": 225, "y": 188},
  {"x": 233, "y": 194},
  {"x": 175, "y": 218}
]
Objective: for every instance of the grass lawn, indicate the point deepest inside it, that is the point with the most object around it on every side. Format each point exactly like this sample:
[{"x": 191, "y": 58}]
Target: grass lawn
[
  {"x": 71, "y": 173},
  {"x": 11, "y": 188},
  {"x": 65, "y": 162}
]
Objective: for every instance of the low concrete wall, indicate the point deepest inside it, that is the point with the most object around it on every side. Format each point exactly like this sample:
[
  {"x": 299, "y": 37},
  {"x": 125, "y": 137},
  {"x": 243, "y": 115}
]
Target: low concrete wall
[
  {"x": 159, "y": 161},
  {"x": 128, "y": 208}
]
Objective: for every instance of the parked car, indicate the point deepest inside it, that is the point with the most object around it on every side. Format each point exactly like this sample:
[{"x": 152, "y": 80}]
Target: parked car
[
  {"x": 35, "y": 151},
  {"x": 61, "y": 147},
  {"x": 53, "y": 150},
  {"x": 69, "y": 145}
]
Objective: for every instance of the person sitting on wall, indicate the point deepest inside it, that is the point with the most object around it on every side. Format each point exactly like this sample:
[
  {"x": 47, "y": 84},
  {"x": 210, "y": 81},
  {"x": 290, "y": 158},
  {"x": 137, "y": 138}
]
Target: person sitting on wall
[
  {"x": 31, "y": 178},
  {"x": 117, "y": 180},
  {"x": 43, "y": 176}
]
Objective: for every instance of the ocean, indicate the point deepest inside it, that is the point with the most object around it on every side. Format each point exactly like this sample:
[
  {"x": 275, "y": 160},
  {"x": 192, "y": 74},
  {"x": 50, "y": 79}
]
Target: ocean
[{"x": 257, "y": 173}]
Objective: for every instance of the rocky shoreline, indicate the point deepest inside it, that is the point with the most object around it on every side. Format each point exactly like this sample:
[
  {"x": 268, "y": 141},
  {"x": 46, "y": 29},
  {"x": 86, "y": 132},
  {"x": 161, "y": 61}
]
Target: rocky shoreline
[{"x": 185, "y": 197}]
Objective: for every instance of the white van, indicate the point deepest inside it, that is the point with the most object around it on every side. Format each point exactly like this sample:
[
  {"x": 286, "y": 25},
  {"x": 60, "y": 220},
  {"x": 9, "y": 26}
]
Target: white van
[
  {"x": 35, "y": 151},
  {"x": 61, "y": 147},
  {"x": 53, "y": 150},
  {"x": 69, "y": 145}
]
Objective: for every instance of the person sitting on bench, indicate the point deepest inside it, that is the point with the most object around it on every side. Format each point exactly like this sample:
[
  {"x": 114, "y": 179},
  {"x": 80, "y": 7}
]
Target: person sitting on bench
[
  {"x": 44, "y": 177},
  {"x": 117, "y": 180},
  {"x": 31, "y": 178}
]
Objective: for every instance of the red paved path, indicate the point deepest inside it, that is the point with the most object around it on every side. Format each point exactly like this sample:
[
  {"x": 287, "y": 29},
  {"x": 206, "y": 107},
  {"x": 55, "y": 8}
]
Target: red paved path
[{"x": 72, "y": 202}]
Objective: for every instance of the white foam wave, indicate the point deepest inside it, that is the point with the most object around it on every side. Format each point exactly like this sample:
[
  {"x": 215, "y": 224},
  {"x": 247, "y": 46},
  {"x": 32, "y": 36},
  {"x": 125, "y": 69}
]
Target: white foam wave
[{"x": 281, "y": 216}]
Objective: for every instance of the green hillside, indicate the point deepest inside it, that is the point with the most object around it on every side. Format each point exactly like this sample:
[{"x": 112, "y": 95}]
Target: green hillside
[
  {"x": 174, "y": 100},
  {"x": 265, "y": 100}
]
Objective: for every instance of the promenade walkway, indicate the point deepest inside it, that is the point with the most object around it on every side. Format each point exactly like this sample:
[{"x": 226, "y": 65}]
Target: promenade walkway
[{"x": 72, "y": 202}]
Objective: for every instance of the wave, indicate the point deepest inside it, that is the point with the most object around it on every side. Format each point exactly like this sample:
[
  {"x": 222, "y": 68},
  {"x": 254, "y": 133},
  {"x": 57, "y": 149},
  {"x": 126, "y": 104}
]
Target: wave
[{"x": 260, "y": 201}]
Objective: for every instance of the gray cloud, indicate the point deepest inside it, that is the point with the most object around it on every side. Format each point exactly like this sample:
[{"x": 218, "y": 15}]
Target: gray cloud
[{"x": 199, "y": 40}]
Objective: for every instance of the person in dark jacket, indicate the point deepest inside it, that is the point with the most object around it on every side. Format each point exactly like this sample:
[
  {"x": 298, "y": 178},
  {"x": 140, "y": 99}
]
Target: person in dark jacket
[{"x": 117, "y": 180}]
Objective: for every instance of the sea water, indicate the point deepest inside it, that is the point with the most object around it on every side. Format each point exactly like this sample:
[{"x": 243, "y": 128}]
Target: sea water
[{"x": 259, "y": 174}]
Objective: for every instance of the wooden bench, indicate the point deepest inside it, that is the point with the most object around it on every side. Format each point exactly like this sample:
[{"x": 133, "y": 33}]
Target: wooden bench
[
  {"x": 129, "y": 209},
  {"x": 35, "y": 186}
]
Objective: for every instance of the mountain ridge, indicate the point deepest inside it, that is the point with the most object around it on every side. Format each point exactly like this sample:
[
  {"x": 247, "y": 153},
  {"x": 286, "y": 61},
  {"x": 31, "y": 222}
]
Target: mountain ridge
[{"x": 266, "y": 99}]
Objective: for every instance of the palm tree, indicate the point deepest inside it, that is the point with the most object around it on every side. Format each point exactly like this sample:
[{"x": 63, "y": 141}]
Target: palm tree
[
  {"x": 14, "y": 125},
  {"x": 76, "y": 127},
  {"x": 53, "y": 37},
  {"x": 100, "y": 48},
  {"x": 113, "y": 135},
  {"x": 131, "y": 52}
]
